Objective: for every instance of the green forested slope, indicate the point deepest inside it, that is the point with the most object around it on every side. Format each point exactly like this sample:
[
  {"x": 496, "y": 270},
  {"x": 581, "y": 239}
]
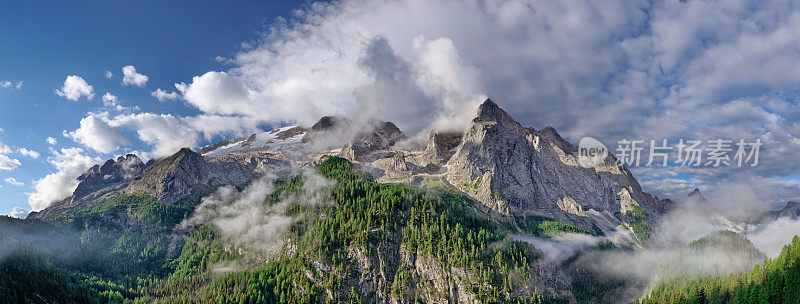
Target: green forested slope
[
  {"x": 776, "y": 281},
  {"x": 361, "y": 216}
]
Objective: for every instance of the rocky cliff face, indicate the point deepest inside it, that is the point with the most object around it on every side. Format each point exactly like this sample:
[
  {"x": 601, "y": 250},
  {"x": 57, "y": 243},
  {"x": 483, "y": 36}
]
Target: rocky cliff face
[
  {"x": 172, "y": 177},
  {"x": 168, "y": 179},
  {"x": 513, "y": 169},
  {"x": 441, "y": 146},
  {"x": 98, "y": 182},
  {"x": 108, "y": 176}
]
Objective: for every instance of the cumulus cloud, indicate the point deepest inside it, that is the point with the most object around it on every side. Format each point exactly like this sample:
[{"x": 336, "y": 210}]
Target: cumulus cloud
[
  {"x": 96, "y": 134},
  {"x": 28, "y": 153},
  {"x": 109, "y": 74},
  {"x": 163, "y": 95},
  {"x": 13, "y": 182},
  {"x": 109, "y": 98},
  {"x": 74, "y": 87},
  {"x": 69, "y": 163},
  {"x": 7, "y": 163},
  {"x": 51, "y": 141},
  {"x": 166, "y": 133},
  {"x": 111, "y": 103},
  {"x": 131, "y": 77}
]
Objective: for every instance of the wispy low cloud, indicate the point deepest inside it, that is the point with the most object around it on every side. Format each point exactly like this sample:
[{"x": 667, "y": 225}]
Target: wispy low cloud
[{"x": 245, "y": 219}]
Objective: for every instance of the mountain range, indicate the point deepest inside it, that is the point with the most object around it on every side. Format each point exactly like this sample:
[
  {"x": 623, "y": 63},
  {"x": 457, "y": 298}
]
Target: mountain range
[{"x": 348, "y": 209}]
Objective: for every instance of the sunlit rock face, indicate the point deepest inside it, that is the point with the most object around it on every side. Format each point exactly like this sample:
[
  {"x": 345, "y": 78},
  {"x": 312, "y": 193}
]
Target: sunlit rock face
[{"x": 514, "y": 169}]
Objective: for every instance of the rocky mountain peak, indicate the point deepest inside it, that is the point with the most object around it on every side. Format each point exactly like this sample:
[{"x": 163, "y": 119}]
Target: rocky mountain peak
[
  {"x": 696, "y": 195},
  {"x": 172, "y": 177},
  {"x": 517, "y": 170},
  {"x": 489, "y": 111},
  {"x": 107, "y": 176},
  {"x": 551, "y": 134},
  {"x": 327, "y": 123}
]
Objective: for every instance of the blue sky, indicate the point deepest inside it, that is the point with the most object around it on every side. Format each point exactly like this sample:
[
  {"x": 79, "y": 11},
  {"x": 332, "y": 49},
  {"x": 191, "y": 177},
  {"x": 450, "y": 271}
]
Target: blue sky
[
  {"x": 630, "y": 69},
  {"x": 44, "y": 41}
]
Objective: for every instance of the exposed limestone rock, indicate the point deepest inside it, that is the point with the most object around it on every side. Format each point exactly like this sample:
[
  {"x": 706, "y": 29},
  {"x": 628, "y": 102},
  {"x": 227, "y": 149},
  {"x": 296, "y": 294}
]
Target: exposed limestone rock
[
  {"x": 441, "y": 146},
  {"x": 626, "y": 202},
  {"x": 524, "y": 170},
  {"x": 110, "y": 174},
  {"x": 97, "y": 182},
  {"x": 399, "y": 162},
  {"x": 172, "y": 177}
]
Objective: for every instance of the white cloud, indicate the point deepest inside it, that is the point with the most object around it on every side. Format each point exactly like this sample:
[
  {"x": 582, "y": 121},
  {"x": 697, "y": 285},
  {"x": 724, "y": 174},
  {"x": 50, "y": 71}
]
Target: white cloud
[
  {"x": 680, "y": 69},
  {"x": 28, "y": 153},
  {"x": 96, "y": 133},
  {"x": 7, "y": 163},
  {"x": 69, "y": 164},
  {"x": 696, "y": 70},
  {"x": 74, "y": 87},
  {"x": 18, "y": 212},
  {"x": 13, "y": 182},
  {"x": 111, "y": 103},
  {"x": 109, "y": 74},
  {"x": 51, "y": 140},
  {"x": 220, "y": 93},
  {"x": 163, "y": 95},
  {"x": 109, "y": 98},
  {"x": 166, "y": 133},
  {"x": 9, "y": 84},
  {"x": 131, "y": 77}
]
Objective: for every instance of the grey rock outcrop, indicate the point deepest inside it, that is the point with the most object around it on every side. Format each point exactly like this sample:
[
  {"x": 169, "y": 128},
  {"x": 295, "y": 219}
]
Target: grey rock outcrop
[
  {"x": 97, "y": 182},
  {"x": 441, "y": 146},
  {"x": 109, "y": 176},
  {"x": 172, "y": 177},
  {"x": 517, "y": 170}
]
